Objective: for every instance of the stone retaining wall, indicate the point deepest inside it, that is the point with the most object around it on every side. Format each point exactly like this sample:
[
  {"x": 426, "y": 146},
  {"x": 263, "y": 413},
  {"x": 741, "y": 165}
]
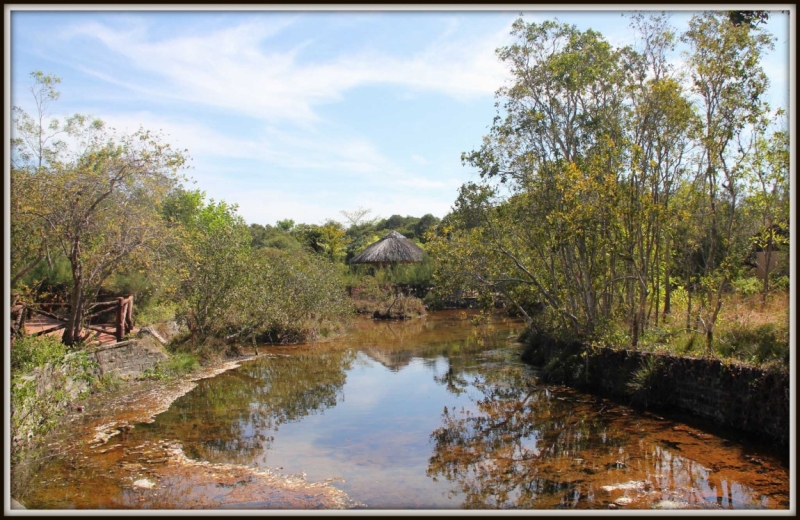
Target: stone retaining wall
[
  {"x": 129, "y": 358},
  {"x": 744, "y": 397}
]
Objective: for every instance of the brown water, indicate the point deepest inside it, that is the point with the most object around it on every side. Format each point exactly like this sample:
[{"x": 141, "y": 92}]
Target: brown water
[{"x": 432, "y": 413}]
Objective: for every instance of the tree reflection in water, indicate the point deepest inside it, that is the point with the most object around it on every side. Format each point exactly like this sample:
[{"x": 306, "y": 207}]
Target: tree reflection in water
[
  {"x": 533, "y": 447},
  {"x": 229, "y": 419}
]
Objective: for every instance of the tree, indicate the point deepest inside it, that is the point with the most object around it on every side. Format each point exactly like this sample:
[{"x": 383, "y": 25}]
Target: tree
[
  {"x": 562, "y": 151},
  {"x": 425, "y": 224},
  {"x": 749, "y": 18},
  {"x": 768, "y": 171},
  {"x": 728, "y": 80},
  {"x": 286, "y": 225},
  {"x": 96, "y": 202},
  {"x": 333, "y": 240},
  {"x": 358, "y": 217},
  {"x": 34, "y": 141},
  {"x": 213, "y": 265}
]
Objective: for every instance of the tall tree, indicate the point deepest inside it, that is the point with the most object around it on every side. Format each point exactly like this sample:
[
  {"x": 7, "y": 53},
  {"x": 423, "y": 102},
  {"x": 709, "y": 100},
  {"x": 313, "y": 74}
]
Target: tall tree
[
  {"x": 562, "y": 149},
  {"x": 729, "y": 83}
]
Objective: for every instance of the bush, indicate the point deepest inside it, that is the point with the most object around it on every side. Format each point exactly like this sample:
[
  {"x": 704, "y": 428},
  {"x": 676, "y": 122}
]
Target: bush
[
  {"x": 755, "y": 345},
  {"x": 644, "y": 381},
  {"x": 30, "y": 352},
  {"x": 287, "y": 297},
  {"x": 378, "y": 298},
  {"x": 780, "y": 283},
  {"x": 748, "y": 286},
  {"x": 154, "y": 313},
  {"x": 40, "y": 396},
  {"x": 176, "y": 365}
]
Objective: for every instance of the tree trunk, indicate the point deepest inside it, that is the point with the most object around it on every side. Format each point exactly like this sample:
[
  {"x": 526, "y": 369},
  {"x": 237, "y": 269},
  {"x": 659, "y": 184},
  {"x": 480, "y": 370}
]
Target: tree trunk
[
  {"x": 72, "y": 333},
  {"x": 688, "y": 305},
  {"x": 765, "y": 289},
  {"x": 667, "y": 284}
]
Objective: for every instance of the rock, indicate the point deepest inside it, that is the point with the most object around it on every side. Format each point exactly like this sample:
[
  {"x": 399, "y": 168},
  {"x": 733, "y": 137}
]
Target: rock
[
  {"x": 623, "y": 501},
  {"x": 671, "y": 504},
  {"x": 612, "y": 506},
  {"x": 144, "y": 483},
  {"x": 152, "y": 332},
  {"x": 16, "y": 505}
]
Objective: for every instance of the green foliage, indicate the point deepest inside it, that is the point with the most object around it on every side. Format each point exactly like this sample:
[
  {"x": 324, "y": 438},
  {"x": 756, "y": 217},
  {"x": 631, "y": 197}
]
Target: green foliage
[
  {"x": 379, "y": 298},
  {"x": 747, "y": 286},
  {"x": 30, "y": 352},
  {"x": 755, "y": 345},
  {"x": 643, "y": 386},
  {"x": 42, "y": 389},
  {"x": 89, "y": 194},
  {"x": 333, "y": 240},
  {"x": 181, "y": 206},
  {"x": 176, "y": 365},
  {"x": 277, "y": 237},
  {"x": 109, "y": 382},
  {"x": 282, "y": 241},
  {"x": 288, "y": 297},
  {"x": 781, "y": 283},
  {"x": 419, "y": 275},
  {"x": 606, "y": 178},
  {"x": 155, "y": 313},
  {"x": 214, "y": 261},
  {"x": 285, "y": 225}
]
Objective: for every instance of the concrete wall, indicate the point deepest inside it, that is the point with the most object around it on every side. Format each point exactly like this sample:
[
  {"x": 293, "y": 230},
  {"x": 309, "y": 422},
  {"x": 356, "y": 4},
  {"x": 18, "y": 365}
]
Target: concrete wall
[{"x": 747, "y": 398}]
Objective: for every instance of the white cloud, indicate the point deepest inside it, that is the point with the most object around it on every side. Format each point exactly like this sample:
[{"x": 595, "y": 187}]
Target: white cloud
[
  {"x": 419, "y": 160},
  {"x": 352, "y": 171},
  {"x": 231, "y": 69}
]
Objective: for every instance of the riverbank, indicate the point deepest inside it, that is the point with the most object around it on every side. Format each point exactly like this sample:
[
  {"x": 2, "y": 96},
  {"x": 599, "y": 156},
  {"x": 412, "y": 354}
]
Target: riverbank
[
  {"x": 105, "y": 417},
  {"x": 749, "y": 399}
]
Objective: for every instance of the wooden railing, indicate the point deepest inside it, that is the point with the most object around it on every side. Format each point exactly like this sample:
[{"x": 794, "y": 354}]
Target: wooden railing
[
  {"x": 124, "y": 316},
  {"x": 123, "y": 323}
]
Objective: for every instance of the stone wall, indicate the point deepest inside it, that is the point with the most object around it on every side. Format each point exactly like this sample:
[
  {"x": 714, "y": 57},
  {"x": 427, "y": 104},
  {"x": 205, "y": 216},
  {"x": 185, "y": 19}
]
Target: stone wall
[
  {"x": 129, "y": 358},
  {"x": 747, "y": 398}
]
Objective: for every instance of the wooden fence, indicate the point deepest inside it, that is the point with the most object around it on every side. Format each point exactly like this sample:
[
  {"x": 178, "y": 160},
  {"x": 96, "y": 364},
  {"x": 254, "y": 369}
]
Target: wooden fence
[{"x": 123, "y": 322}]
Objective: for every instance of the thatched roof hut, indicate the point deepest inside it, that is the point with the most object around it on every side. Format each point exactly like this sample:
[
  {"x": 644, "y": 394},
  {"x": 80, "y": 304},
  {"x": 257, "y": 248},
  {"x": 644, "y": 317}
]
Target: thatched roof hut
[{"x": 394, "y": 248}]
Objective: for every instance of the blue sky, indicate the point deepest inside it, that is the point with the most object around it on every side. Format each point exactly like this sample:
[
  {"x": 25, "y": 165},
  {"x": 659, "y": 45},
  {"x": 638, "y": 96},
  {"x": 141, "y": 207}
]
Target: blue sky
[{"x": 303, "y": 114}]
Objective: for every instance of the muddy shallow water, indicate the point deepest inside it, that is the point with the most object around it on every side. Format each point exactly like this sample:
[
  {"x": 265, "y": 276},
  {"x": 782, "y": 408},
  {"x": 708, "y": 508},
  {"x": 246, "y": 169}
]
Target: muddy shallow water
[{"x": 427, "y": 414}]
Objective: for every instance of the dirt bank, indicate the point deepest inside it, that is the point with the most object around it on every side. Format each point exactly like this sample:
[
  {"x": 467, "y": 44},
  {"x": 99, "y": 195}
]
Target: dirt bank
[{"x": 157, "y": 474}]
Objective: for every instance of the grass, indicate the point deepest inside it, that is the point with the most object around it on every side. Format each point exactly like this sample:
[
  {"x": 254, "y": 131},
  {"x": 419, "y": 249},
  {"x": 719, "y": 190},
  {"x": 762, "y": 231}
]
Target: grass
[
  {"x": 377, "y": 298},
  {"x": 30, "y": 352},
  {"x": 746, "y": 331},
  {"x": 176, "y": 365}
]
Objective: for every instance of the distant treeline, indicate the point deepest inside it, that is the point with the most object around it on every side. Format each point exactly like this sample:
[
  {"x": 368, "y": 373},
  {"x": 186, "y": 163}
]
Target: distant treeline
[{"x": 334, "y": 239}]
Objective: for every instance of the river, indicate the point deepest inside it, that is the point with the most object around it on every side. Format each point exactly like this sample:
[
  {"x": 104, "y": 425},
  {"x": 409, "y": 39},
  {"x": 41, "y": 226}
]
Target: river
[{"x": 434, "y": 413}]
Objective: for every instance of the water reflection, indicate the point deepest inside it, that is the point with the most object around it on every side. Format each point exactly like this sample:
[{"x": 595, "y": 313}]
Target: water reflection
[
  {"x": 229, "y": 418},
  {"x": 433, "y": 413},
  {"x": 532, "y": 447}
]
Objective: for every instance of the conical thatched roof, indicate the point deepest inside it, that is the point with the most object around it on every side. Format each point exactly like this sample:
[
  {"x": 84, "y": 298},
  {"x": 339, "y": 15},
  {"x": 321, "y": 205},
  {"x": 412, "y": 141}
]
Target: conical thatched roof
[{"x": 393, "y": 248}]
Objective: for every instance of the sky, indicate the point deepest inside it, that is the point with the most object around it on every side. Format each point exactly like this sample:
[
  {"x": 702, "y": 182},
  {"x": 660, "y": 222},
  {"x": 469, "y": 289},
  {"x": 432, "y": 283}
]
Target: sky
[{"x": 304, "y": 114}]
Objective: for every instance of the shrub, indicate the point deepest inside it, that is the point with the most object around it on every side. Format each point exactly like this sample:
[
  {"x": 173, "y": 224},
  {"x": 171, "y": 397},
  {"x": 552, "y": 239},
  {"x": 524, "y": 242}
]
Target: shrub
[
  {"x": 644, "y": 381},
  {"x": 154, "y": 313},
  {"x": 755, "y": 345},
  {"x": 30, "y": 352},
  {"x": 40, "y": 396},
  {"x": 176, "y": 365},
  {"x": 288, "y": 297},
  {"x": 780, "y": 283},
  {"x": 748, "y": 286}
]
